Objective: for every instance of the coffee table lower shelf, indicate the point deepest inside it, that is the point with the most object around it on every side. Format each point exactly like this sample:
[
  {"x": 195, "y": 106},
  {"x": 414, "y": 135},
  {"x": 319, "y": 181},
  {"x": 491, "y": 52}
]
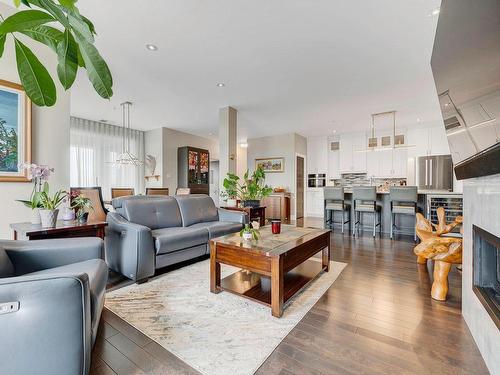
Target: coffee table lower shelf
[{"x": 257, "y": 287}]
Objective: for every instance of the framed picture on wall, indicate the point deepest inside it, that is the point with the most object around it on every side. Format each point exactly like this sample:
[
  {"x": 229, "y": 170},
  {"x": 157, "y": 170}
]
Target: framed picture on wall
[
  {"x": 15, "y": 132},
  {"x": 271, "y": 165}
]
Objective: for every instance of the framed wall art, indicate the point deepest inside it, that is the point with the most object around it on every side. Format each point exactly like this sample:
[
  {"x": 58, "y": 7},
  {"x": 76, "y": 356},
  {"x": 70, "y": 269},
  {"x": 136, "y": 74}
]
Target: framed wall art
[
  {"x": 271, "y": 165},
  {"x": 15, "y": 132}
]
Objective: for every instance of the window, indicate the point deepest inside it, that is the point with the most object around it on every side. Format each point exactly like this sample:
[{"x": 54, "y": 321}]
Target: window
[{"x": 94, "y": 148}]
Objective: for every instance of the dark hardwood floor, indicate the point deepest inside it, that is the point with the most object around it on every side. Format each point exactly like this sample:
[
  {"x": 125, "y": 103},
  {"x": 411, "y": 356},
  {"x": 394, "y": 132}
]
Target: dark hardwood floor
[{"x": 377, "y": 318}]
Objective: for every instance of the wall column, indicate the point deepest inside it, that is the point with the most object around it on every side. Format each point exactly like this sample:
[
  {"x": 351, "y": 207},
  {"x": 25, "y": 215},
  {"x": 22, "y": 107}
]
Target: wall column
[{"x": 227, "y": 143}]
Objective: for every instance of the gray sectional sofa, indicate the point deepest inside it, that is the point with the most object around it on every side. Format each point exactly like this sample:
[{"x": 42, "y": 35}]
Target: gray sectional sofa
[{"x": 150, "y": 232}]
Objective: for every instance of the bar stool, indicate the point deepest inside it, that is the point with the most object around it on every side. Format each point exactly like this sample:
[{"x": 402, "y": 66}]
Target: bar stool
[
  {"x": 403, "y": 202},
  {"x": 365, "y": 200},
  {"x": 334, "y": 201}
]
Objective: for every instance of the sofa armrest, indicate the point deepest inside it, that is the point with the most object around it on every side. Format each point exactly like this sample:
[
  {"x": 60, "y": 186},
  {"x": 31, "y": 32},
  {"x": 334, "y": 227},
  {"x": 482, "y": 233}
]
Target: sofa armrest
[
  {"x": 129, "y": 248},
  {"x": 32, "y": 256},
  {"x": 51, "y": 329},
  {"x": 233, "y": 216}
]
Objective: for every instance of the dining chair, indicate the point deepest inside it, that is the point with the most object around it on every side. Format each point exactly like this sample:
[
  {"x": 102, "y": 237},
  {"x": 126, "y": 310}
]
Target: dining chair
[
  {"x": 94, "y": 193},
  {"x": 183, "y": 191},
  {"x": 121, "y": 192},
  {"x": 156, "y": 191}
]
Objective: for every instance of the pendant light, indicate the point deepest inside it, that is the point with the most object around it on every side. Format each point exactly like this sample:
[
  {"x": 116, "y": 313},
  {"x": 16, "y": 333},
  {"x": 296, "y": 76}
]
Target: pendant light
[{"x": 126, "y": 157}]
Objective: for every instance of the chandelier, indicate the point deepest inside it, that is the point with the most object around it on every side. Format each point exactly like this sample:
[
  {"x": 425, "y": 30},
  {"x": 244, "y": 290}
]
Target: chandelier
[{"x": 126, "y": 157}]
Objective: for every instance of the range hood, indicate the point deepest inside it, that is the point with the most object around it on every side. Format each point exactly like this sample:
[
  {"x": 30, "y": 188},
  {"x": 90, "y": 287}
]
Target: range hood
[{"x": 466, "y": 67}]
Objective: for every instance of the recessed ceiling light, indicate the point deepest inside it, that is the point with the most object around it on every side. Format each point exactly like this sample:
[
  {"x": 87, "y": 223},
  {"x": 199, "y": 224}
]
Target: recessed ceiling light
[
  {"x": 220, "y": 84},
  {"x": 418, "y": 119},
  {"x": 151, "y": 47},
  {"x": 446, "y": 104},
  {"x": 244, "y": 145},
  {"x": 103, "y": 120},
  {"x": 435, "y": 11},
  {"x": 210, "y": 134},
  {"x": 334, "y": 131}
]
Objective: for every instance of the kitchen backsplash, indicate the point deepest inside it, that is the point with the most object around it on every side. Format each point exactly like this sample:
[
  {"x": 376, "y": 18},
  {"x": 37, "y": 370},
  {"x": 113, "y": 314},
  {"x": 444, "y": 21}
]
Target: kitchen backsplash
[{"x": 349, "y": 180}]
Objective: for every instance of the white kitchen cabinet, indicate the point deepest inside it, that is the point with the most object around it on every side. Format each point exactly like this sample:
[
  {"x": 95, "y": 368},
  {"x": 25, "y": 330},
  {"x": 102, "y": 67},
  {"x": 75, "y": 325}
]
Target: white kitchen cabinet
[
  {"x": 428, "y": 141},
  {"x": 317, "y": 155},
  {"x": 315, "y": 202},
  {"x": 350, "y": 159},
  {"x": 387, "y": 163},
  {"x": 333, "y": 162}
]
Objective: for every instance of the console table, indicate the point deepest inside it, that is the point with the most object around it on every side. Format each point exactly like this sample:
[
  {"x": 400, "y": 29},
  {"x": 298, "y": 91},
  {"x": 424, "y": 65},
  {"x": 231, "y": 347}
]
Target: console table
[
  {"x": 254, "y": 213},
  {"x": 63, "y": 229}
]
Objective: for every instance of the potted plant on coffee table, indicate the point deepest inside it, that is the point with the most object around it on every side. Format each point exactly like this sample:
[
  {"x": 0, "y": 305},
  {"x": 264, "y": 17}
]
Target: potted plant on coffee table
[
  {"x": 250, "y": 231},
  {"x": 49, "y": 206},
  {"x": 81, "y": 204}
]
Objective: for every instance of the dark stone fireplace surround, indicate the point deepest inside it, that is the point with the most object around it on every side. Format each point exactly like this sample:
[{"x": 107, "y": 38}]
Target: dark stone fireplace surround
[{"x": 486, "y": 271}]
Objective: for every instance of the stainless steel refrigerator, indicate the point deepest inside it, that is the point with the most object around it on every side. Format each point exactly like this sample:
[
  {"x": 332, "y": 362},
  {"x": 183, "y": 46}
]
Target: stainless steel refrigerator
[{"x": 435, "y": 172}]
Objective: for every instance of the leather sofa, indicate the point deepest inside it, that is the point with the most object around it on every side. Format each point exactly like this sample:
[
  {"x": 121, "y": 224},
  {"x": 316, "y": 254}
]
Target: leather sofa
[
  {"x": 51, "y": 299},
  {"x": 146, "y": 233}
]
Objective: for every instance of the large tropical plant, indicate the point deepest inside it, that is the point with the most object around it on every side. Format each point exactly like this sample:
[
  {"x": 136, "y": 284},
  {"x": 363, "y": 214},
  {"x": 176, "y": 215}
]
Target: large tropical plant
[
  {"x": 251, "y": 187},
  {"x": 60, "y": 26}
]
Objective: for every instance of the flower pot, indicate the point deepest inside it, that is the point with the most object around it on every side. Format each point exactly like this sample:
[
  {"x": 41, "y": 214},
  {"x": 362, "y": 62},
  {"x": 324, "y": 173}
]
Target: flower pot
[
  {"x": 83, "y": 218},
  {"x": 251, "y": 203},
  {"x": 35, "y": 216},
  {"x": 48, "y": 218},
  {"x": 247, "y": 236},
  {"x": 231, "y": 202}
]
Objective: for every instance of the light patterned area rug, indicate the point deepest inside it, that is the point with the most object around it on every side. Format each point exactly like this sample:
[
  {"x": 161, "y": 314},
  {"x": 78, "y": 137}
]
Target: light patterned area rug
[{"x": 214, "y": 333}]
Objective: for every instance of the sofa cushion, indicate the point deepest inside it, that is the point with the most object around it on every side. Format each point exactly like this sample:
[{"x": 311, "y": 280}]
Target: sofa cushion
[
  {"x": 6, "y": 267},
  {"x": 152, "y": 212},
  {"x": 196, "y": 208},
  {"x": 168, "y": 240},
  {"x": 219, "y": 228},
  {"x": 97, "y": 272}
]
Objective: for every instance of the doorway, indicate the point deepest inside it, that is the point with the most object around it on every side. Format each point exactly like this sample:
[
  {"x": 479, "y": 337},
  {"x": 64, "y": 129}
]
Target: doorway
[
  {"x": 299, "y": 188},
  {"x": 214, "y": 181}
]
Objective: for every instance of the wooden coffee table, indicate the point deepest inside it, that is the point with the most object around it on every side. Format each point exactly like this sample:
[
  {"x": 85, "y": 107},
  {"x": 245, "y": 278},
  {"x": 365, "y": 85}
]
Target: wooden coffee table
[{"x": 274, "y": 268}]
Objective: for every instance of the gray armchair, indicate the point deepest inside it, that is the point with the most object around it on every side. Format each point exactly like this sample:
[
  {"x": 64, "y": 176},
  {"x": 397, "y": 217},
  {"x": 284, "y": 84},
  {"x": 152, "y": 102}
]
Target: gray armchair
[{"x": 51, "y": 298}]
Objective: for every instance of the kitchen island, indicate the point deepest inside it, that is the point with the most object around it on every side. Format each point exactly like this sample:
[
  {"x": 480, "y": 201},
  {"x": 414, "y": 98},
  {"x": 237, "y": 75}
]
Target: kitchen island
[{"x": 405, "y": 223}]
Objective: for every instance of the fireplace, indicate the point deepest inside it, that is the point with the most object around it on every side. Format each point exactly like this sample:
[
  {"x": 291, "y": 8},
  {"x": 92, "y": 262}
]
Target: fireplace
[{"x": 486, "y": 271}]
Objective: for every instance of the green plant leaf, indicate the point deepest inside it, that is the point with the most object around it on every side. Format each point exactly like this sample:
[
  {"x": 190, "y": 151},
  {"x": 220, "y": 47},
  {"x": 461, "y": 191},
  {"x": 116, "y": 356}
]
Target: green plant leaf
[
  {"x": 67, "y": 57},
  {"x": 89, "y": 24},
  {"x": 17, "y": 3},
  {"x": 25, "y": 19},
  {"x": 2, "y": 43},
  {"x": 81, "y": 63},
  {"x": 70, "y": 4},
  {"x": 47, "y": 35},
  {"x": 56, "y": 11},
  {"x": 34, "y": 77},
  {"x": 80, "y": 27},
  {"x": 97, "y": 69}
]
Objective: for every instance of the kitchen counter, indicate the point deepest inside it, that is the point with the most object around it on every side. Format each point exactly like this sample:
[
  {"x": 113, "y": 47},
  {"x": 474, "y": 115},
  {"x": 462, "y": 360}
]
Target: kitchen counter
[{"x": 405, "y": 223}]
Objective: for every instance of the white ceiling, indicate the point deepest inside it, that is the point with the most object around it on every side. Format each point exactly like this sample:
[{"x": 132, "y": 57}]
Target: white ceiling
[{"x": 288, "y": 65}]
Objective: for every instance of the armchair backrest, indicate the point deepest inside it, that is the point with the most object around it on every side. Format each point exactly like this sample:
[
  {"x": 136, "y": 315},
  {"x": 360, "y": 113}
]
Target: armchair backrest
[
  {"x": 6, "y": 266},
  {"x": 196, "y": 208},
  {"x": 152, "y": 211}
]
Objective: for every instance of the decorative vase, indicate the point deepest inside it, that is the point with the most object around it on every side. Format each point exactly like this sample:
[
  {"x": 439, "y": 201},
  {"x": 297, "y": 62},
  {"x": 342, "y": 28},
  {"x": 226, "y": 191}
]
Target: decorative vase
[
  {"x": 251, "y": 203},
  {"x": 49, "y": 218},
  {"x": 35, "y": 216},
  {"x": 231, "y": 202},
  {"x": 68, "y": 214},
  {"x": 247, "y": 236},
  {"x": 83, "y": 218}
]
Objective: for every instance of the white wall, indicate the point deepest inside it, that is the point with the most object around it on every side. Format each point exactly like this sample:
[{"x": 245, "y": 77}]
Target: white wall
[
  {"x": 50, "y": 143},
  {"x": 284, "y": 145},
  {"x": 163, "y": 143}
]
